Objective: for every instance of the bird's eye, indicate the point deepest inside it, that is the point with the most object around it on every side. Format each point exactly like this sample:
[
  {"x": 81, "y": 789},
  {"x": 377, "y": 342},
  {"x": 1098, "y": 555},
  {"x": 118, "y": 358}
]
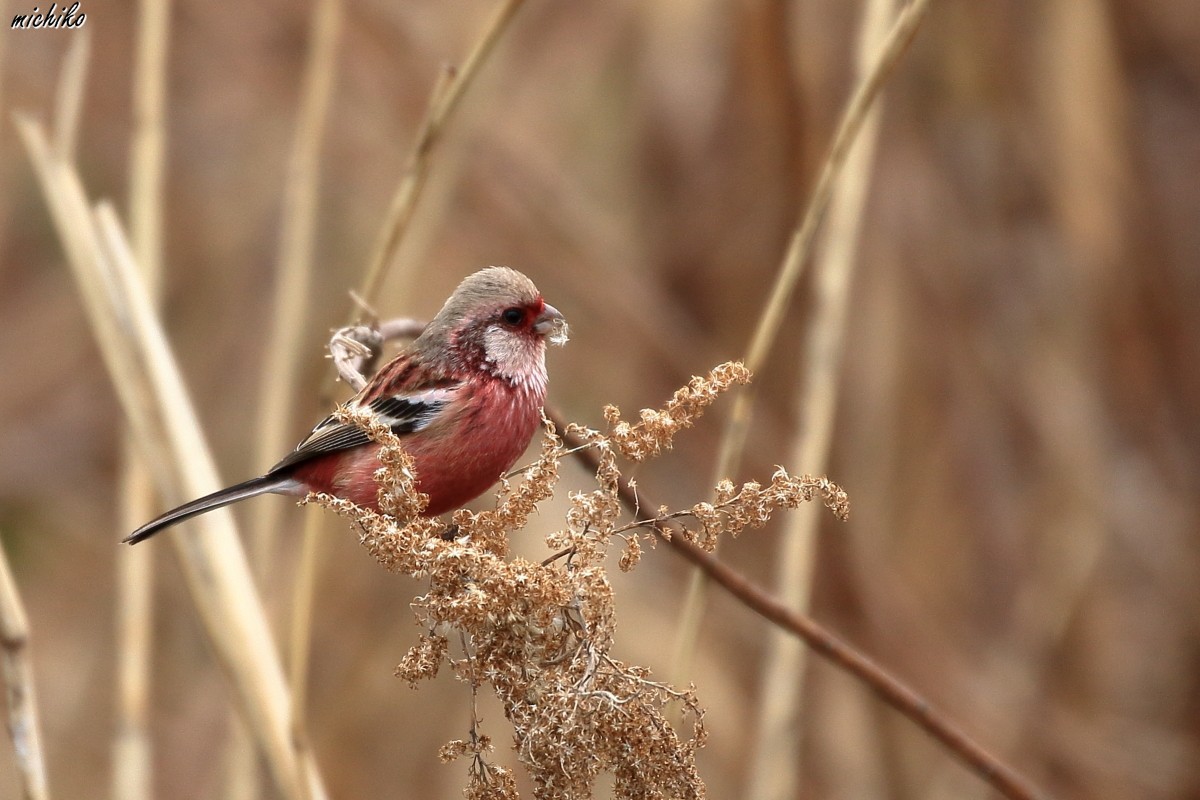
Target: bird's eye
[{"x": 513, "y": 316}]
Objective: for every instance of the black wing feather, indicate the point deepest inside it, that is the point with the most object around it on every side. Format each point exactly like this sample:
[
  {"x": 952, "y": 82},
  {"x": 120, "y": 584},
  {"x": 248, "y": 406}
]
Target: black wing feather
[{"x": 402, "y": 413}]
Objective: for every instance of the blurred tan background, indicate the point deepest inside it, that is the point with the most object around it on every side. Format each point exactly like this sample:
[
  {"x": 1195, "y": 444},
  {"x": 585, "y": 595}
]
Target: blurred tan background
[{"x": 1018, "y": 423}]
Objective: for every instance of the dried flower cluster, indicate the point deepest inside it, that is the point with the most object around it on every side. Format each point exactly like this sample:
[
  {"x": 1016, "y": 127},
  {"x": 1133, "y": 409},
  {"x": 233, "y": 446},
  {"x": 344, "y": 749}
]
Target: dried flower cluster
[
  {"x": 658, "y": 427},
  {"x": 539, "y": 635}
]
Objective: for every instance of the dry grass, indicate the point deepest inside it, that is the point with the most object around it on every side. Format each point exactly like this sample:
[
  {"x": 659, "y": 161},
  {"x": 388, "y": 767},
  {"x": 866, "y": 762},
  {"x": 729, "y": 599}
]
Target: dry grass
[
  {"x": 133, "y": 760},
  {"x": 20, "y": 692},
  {"x": 541, "y": 635},
  {"x": 1015, "y": 412}
]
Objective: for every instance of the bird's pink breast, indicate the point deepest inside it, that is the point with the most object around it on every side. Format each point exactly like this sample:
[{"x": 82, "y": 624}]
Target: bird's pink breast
[{"x": 456, "y": 460}]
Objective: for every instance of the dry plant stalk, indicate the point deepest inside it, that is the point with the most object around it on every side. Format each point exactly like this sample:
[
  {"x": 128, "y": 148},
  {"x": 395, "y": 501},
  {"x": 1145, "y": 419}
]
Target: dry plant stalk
[
  {"x": 68, "y": 94},
  {"x": 147, "y": 383},
  {"x": 17, "y": 670},
  {"x": 447, "y": 95},
  {"x": 294, "y": 267},
  {"x": 781, "y": 695},
  {"x": 3, "y": 42},
  {"x": 729, "y": 455},
  {"x": 278, "y": 387},
  {"x": 132, "y": 765},
  {"x": 825, "y": 643},
  {"x": 540, "y": 635}
]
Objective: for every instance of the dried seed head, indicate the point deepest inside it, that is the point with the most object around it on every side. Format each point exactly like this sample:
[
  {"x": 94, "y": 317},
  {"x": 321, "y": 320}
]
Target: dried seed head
[
  {"x": 657, "y": 428},
  {"x": 539, "y": 635}
]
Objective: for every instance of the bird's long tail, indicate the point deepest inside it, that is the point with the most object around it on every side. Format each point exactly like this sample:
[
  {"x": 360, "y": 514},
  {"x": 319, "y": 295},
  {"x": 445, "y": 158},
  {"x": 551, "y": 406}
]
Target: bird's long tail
[{"x": 255, "y": 486}]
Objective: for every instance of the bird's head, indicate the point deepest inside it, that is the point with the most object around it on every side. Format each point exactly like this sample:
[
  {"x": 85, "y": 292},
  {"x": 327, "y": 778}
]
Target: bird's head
[{"x": 497, "y": 320}]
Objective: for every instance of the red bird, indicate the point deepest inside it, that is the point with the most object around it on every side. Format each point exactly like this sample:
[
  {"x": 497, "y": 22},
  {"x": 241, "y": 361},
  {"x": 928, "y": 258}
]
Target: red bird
[{"x": 465, "y": 399}]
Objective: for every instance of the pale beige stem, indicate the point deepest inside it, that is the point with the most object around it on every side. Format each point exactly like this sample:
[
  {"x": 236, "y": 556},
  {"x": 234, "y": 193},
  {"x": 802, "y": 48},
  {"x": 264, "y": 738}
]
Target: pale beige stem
[
  {"x": 283, "y": 352},
  {"x": 68, "y": 96},
  {"x": 147, "y": 156},
  {"x": 163, "y": 419},
  {"x": 132, "y": 751},
  {"x": 3, "y": 43},
  {"x": 301, "y": 628},
  {"x": 734, "y": 438},
  {"x": 781, "y": 695},
  {"x": 17, "y": 669},
  {"x": 447, "y": 95}
]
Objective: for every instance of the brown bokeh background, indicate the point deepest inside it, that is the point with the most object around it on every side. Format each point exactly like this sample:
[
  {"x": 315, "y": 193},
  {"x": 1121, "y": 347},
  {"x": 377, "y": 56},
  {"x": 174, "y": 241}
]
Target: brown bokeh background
[{"x": 1019, "y": 414}]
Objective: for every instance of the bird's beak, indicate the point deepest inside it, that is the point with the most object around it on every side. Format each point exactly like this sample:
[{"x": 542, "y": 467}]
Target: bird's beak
[{"x": 551, "y": 323}]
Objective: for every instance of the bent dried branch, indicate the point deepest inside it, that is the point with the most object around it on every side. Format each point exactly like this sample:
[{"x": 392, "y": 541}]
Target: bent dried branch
[{"x": 890, "y": 689}]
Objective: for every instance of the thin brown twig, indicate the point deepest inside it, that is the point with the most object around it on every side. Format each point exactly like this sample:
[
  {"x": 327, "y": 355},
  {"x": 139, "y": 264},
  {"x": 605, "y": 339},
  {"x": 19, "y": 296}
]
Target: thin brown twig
[
  {"x": 447, "y": 94},
  {"x": 895, "y": 45},
  {"x": 890, "y": 689}
]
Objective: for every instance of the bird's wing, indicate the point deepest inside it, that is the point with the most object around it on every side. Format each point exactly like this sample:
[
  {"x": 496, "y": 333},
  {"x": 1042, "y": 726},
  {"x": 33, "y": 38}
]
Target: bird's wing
[{"x": 404, "y": 413}]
